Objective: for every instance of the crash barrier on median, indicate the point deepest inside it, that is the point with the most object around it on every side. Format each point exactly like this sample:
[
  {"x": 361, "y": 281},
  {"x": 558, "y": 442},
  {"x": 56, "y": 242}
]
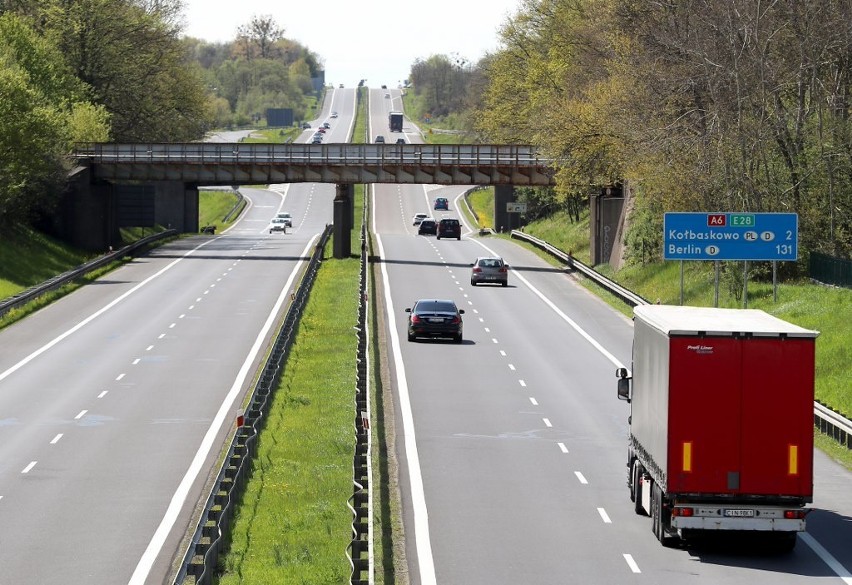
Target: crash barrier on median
[
  {"x": 360, "y": 550},
  {"x": 827, "y": 421},
  {"x": 208, "y": 542},
  {"x": 74, "y": 274}
]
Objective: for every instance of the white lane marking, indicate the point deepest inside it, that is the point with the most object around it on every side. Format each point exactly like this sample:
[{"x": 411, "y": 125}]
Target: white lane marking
[
  {"x": 93, "y": 316},
  {"x": 503, "y": 353},
  {"x": 56, "y": 439},
  {"x": 149, "y": 348},
  {"x": 29, "y": 467},
  {"x": 102, "y": 394},
  {"x": 487, "y": 329},
  {"x": 522, "y": 383},
  {"x": 476, "y": 311},
  {"x": 120, "y": 376},
  {"x": 631, "y": 563},
  {"x": 191, "y": 307},
  {"x": 481, "y": 320},
  {"x": 547, "y": 422},
  {"x": 512, "y": 367},
  {"x": 604, "y": 516},
  {"x": 182, "y": 316},
  {"x": 172, "y": 325},
  {"x": 533, "y": 401},
  {"x": 136, "y": 361},
  {"x": 827, "y": 558},
  {"x": 565, "y": 317},
  {"x": 143, "y": 568},
  {"x": 81, "y": 415},
  {"x": 422, "y": 538},
  {"x": 198, "y": 300},
  {"x": 562, "y": 447},
  {"x": 580, "y": 476},
  {"x": 161, "y": 335},
  {"x": 494, "y": 339}
]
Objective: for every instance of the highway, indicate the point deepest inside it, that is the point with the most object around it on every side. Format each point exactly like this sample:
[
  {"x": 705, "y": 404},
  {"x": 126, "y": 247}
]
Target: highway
[
  {"x": 513, "y": 444},
  {"x": 115, "y": 400}
]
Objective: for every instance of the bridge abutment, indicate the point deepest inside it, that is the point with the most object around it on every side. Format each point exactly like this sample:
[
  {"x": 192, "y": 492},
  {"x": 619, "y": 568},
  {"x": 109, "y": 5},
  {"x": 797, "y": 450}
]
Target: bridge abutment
[{"x": 344, "y": 219}]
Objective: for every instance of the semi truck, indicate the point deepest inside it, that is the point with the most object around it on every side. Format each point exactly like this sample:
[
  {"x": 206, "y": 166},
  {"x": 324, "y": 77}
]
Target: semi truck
[
  {"x": 395, "y": 121},
  {"x": 721, "y": 423}
]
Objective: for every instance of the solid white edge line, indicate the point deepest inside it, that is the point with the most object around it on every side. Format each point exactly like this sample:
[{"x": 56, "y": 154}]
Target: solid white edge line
[
  {"x": 827, "y": 557},
  {"x": 143, "y": 568},
  {"x": 559, "y": 312},
  {"x": 422, "y": 538}
]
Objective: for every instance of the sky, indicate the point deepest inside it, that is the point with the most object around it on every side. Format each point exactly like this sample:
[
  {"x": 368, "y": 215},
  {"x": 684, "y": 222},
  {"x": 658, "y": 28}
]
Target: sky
[{"x": 376, "y": 40}]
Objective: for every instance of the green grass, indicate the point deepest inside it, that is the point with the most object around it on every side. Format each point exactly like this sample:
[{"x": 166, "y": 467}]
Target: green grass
[
  {"x": 273, "y": 135},
  {"x": 213, "y": 206},
  {"x": 293, "y": 524},
  {"x": 28, "y": 258}
]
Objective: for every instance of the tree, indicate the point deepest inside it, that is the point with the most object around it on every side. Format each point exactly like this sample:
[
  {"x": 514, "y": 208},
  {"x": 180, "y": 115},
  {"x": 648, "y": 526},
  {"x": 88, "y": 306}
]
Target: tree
[
  {"x": 136, "y": 65},
  {"x": 258, "y": 38},
  {"x": 42, "y": 111}
]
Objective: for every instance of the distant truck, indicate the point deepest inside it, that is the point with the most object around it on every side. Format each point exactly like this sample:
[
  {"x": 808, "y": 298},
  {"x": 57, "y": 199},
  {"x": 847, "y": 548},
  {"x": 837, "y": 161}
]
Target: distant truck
[
  {"x": 395, "y": 121},
  {"x": 721, "y": 422}
]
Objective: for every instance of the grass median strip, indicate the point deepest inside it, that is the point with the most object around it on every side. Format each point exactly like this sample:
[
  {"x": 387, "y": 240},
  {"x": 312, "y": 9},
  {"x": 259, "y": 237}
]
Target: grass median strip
[{"x": 293, "y": 525}]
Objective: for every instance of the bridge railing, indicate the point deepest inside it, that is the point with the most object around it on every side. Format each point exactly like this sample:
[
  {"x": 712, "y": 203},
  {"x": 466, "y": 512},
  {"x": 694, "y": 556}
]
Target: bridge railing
[{"x": 324, "y": 154}]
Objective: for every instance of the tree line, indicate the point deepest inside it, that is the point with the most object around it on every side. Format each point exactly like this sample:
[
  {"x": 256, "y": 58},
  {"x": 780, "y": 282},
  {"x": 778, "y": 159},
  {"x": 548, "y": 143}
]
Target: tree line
[
  {"x": 696, "y": 106},
  {"x": 121, "y": 70}
]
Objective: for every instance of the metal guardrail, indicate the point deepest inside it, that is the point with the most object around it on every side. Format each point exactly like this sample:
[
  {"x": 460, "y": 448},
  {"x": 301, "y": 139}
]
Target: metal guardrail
[
  {"x": 202, "y": 555},
  {"x": 833, "y": 424},
  {"x": 828, "y": 421},
  {"x": 360, "y": 550},
  {"x": 52, "y": 284},
  {"x": 629, "y": 297}
]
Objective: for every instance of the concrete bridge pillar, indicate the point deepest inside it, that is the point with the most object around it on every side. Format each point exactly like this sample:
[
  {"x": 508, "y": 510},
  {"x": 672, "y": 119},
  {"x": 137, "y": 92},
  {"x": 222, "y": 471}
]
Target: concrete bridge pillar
[{"x": 344, "y": 211}]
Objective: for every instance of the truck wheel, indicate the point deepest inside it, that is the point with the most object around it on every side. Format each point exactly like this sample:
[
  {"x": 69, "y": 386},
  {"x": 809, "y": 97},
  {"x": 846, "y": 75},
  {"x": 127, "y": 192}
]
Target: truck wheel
[
  {"x": 636, "y": 490},
  {"x": 656, "y": 504},
  {"x": 661, "y": 516}
]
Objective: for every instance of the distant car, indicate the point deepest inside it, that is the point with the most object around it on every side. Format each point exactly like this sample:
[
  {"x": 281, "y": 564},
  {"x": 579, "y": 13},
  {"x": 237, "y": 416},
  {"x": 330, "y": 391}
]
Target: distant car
[
  {"x": 334, "y": 114},
  {"x": 286, "y": 217},
  {"x": 305, "y": 126},
  {"x": 418, "y": 217},
  {"x": 387, "y": 95},
  {"x": 341, "y": 86},
  {"x": 277, "y": 225},
  {"x": 442, "y": 203},
  {"x": 321, "y": 130},
  {"x": 448, "y": 228},
  {"x": 491, "y": 269},
  {"x": 326, "y": 125},
  {"x": 427, "y": 226},
  {"x": 317, "y": 139},
  {"x": 384, "y": 87},
  {"x": 435, "y": 318},
  {"x": 380, "y": 139},
  {"x": 400, "y": 140}
]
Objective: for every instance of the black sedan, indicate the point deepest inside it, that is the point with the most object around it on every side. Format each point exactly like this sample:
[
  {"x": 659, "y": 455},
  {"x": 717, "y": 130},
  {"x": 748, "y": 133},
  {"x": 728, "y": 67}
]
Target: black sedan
[{"x": 435, "y": 318}]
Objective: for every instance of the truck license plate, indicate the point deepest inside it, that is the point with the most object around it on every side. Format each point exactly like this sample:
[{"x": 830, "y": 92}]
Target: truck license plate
[{"x": 739, "y": 513}]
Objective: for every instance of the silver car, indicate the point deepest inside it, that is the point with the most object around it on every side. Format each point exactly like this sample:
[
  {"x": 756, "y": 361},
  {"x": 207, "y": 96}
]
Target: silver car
[
  {"x": 277, "y": 225},
  {"x": 490, "y": 269}
]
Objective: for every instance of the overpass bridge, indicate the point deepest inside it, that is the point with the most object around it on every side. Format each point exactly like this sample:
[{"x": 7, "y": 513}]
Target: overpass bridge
[
  {"x": 241, "y": 163},
  {"x": 157, "y": 184}
]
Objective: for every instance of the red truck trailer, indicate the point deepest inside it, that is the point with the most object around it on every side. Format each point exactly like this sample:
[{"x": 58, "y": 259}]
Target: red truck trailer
[{"x": 721, "y": 422}]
